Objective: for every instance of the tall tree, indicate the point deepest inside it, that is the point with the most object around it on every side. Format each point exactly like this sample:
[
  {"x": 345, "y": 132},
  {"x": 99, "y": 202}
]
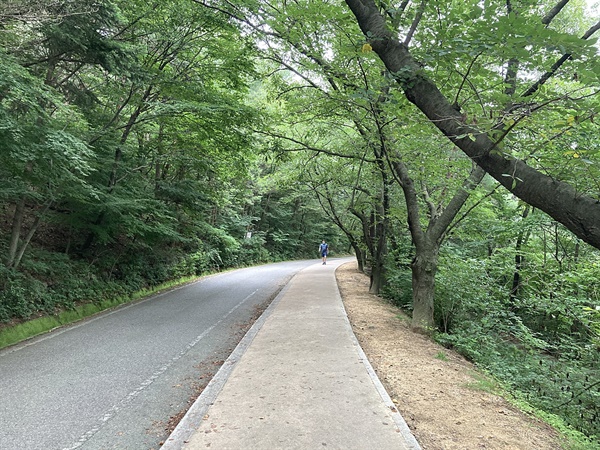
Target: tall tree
[
  {"x": 45, "y": 156},
  {"x": 343, "y": 79},
  {"x": 578, "y": 212}
]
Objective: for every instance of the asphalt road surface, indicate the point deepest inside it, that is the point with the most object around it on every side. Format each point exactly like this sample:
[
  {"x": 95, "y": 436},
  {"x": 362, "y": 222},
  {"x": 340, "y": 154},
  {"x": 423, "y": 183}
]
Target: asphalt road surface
[{"x": 118, "y": 380}]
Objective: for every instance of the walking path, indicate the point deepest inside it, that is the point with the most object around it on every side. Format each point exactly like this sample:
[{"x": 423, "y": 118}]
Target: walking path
[{"x": 297, "y": 380}]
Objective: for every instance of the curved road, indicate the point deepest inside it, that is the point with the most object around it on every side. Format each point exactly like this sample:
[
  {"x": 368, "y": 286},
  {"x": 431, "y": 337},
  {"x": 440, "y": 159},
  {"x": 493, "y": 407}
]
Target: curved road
[{"x": 116, "y": 380}]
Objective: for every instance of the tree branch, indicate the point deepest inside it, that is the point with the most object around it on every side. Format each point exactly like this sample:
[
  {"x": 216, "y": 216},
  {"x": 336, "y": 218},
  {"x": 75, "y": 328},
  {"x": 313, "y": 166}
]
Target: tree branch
[
  {"x": 546, "y": 76},
  {"x": 579, "y": 213},
  {"x": 415, "y": 22},
  {"x": 305, "y": 146},
  {"x": 554, "y": 12}
]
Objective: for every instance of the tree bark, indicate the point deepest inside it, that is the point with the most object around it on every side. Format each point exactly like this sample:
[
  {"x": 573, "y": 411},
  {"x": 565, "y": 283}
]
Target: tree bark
[
  {"x": 374, "y": 236},
  {"x": 15, "y": 232},
  {"x": 30, "y": 233},
  {"x": 519, "y": 261},
  {"x": 379, "y": 239},
  {"x": 424, "y": 268},
  {"x": 364, "y": 221},
  {"x": 379, "y": 227},
  {"x": 360, "y": 256},
  {"x": 577, "y": 212}
]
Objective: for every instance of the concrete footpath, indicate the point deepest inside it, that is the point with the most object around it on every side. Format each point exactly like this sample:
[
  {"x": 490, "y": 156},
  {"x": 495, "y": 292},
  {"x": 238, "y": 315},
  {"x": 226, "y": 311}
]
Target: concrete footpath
[{"x": 297, "y": 380}]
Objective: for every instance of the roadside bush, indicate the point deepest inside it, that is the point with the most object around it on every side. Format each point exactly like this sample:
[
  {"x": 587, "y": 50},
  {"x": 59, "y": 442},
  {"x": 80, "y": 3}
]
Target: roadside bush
[
  {"x": 14, "y": 301},
  {"x": 221, "y": 249},
  {"x": 252, "y": 250},
  {"x": 22, "y": 296},
  {"x": 398, "y": 288},
  {"x": 540, "y": 347},
  {"x": 195, "y": 263},
  {"x": 465, "y": 292}
]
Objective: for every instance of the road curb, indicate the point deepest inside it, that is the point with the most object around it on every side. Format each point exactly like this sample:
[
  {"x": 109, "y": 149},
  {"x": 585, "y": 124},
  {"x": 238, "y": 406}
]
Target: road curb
[
  {"x": 194, "y": 416},
  {"x": 396, "y": 416},
  {"x": 193, "y": 419}
]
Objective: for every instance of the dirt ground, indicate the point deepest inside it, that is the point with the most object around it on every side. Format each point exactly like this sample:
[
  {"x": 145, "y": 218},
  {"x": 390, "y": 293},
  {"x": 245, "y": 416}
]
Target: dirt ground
[{"x": 437, "y": 391}]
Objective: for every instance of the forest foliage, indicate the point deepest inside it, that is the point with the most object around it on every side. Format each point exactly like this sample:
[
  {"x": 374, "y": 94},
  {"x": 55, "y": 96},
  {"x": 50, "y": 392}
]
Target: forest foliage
[{"x": 146, "y": 142}]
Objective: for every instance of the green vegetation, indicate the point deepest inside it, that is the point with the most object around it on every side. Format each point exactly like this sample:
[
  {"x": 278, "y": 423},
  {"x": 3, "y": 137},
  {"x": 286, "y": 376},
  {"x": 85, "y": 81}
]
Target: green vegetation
[
  {"x": 144, "y": 143},
  {"x": 441, "y": 356},
  {"x": 484, "y": 383}
]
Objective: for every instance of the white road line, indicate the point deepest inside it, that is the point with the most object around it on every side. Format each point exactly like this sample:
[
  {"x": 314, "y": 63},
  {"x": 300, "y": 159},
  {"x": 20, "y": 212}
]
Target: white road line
[{"x": 114, "y": 410}]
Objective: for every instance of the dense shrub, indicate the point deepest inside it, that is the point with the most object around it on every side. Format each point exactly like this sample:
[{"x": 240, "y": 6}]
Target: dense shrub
[
  {"x": 543, "y": 345},
  {"x": 253, "y": 251},
  {"x": 544, "y": 348},
  {"x": 398, "y": 289}
]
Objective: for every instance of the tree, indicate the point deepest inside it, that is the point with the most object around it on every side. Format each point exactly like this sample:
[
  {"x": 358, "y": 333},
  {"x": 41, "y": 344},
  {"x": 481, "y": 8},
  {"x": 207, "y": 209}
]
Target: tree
[
  {"x": 580, "y": 213},
  {"x": 44, "y": 158},
  {"x": 334, "y": 75}
]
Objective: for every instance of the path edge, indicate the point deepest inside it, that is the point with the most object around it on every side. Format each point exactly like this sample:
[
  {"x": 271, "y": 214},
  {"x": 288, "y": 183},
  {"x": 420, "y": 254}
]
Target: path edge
[
  {"x": 403, "y": 427},
  {"x": 192, "y": 419}
]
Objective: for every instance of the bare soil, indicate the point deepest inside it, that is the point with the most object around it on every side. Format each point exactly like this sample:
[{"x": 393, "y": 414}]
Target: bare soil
[{"x": 439, "y": 393}]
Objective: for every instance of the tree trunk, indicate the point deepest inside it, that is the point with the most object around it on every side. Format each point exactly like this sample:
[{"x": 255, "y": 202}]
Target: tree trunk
[
  {"x": 519, "y": 260},
  {"x": 379, "y": 239},
  {"x": 27, "y": 240},
  {"x": 16, "y": 252},
  {"x": 424, "y": 268},
  {"x": 560, "y": 200},
  {"x": 377, "y": 277},
  {"x": 360, "y": 255},
  {"x": 366, "y": 255},
  {"x": 16, "y": 232},
  {"x": 378, "y": 273},
  {"x": 380, "y": 224}
]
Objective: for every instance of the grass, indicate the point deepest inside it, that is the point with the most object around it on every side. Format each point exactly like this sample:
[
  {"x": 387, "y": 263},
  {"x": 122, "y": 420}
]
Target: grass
[
  {"x": 441, "y": 356},
  {"x": 484, "y": 384}
]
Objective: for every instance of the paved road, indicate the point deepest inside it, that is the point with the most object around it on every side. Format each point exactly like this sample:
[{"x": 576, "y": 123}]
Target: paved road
[{"x": 114, "y": 382}]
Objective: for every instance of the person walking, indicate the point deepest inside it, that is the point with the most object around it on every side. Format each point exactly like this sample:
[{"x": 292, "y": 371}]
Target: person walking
[{"x": 323, "y": 250}]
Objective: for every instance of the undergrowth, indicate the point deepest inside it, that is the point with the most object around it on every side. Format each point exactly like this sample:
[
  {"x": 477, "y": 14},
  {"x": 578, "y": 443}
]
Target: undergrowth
[{"x": 543, "y": 352}]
